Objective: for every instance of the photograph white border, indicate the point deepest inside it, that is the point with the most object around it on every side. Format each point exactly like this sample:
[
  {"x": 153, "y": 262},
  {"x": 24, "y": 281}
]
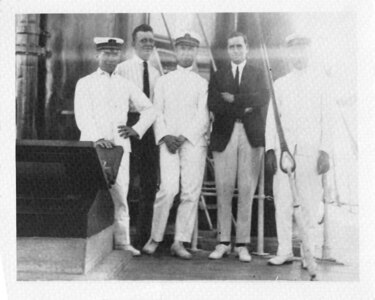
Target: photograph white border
[{"x": 364, "y": 289}]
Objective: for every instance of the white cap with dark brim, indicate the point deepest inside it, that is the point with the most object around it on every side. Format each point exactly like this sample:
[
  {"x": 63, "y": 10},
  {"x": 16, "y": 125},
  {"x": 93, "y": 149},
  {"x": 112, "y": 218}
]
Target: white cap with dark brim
[
  {"x": 110, "y": 43},
  {"x": 188, "y": 38},
  {"x": 297, "y": 39}
]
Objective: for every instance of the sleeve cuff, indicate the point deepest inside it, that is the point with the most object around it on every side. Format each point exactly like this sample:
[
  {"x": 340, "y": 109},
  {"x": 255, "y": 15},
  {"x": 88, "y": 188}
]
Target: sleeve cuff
[{"x": 159, "y": 137}]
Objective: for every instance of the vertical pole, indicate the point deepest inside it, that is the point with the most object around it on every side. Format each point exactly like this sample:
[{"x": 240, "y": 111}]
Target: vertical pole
[
  {"x": 235, "y": 22},
  {"x": 261, "y": 197},
  {"x": 27, "y": 52},
  {"x": 207, "y": 43},
  {"x": 330, "y": 201},
  {"x": 148, "y": 17},
  {"x": 194, "y": 242},
  {"x": 260, "y": 245},
  {"x": 326, "y": 238},
  {"x": 168, "y": 31}
]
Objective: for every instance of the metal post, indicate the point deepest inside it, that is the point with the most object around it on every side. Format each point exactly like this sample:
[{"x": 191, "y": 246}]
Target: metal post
[
  {"x": 168, "y": 32},
  {"x": 207, "y": 43},
  {"x": 148, "y": 17},
  {"x": 27, "y": 52},
  {"x": 261, "y": 197},
  {"x": 326, "y": 251},
  {"x": 194, "y": 240},
  {"x": 235, "y": 21},
  {"x": 328, "y": 202}
]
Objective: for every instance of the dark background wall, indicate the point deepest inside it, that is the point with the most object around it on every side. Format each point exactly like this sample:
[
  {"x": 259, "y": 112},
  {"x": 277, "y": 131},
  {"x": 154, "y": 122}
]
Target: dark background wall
[
  {"x": 73, "y": 56},
  {"x": 65, "y": 53}
]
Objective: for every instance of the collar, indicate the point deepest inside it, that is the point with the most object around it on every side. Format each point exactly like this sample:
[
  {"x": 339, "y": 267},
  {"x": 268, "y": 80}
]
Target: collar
[
  {"x": 304, "y": 72},
  {"x": 184, "y": 69},
  {"x": 102, "y": 72},
  {"x": 139, "y": 60},
  {"x": 240, "y": 66}
]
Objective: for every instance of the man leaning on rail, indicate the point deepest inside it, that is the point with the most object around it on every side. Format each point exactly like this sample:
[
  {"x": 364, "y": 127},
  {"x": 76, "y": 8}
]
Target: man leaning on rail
[{"x": 101, "y": 104}]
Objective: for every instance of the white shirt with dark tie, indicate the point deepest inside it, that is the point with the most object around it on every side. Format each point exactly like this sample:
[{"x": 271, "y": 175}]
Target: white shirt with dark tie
[
  {"x": 240, "y": 69},
  {"x": 132, "y": 69}
]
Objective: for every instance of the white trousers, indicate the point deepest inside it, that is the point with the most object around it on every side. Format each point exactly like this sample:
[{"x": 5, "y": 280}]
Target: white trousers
[
  {"x": 119, "y": 193},
  {"x": 310, "y": 191},
  {"x": 188, "y": 163},
  {"x": 238, "y": 160}
]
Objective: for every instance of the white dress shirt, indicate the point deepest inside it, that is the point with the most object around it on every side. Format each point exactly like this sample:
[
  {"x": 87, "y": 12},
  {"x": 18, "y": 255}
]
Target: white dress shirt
[
  {"x": 101, "y": 103},
  {"x": 132, "y": 69},
  {"x": 240, "y": 69},
  {"x": 305, "y": 112},
  {"x": 181, "y": 100}
]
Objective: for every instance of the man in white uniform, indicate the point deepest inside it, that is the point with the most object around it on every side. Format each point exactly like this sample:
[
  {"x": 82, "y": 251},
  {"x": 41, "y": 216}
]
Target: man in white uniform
[
  {"x": 144, "y": 159},
  {"x": 101, "y": 104},
  {"x": 305, "y": 114},
  {"x": 181, "y": 99}
]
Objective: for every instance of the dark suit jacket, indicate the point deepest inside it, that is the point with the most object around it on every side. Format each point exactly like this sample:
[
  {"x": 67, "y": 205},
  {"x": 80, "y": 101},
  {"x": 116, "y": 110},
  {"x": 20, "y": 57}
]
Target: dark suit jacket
[{"x": 253, "y": 93}]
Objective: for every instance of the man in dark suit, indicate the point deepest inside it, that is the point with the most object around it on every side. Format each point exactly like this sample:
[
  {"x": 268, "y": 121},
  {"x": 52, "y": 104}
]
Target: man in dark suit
[{"x": 238, "y": 97}]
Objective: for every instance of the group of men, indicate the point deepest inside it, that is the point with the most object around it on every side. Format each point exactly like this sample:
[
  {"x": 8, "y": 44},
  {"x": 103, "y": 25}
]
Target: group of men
[{"x": 119, "y": 103}]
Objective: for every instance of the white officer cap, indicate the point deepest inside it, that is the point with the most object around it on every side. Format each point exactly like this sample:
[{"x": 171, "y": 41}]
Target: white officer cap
[
  {"x": 110, "y": 43},
  {"x": 189, "y": 38},
  {"x": 296, "y": 39}
]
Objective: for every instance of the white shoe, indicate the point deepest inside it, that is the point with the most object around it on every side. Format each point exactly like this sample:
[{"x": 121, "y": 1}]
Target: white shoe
[
  {"x": 242, "y": 253},
  {"x": 281, "y": 260},
  {"x": 129, "y": 248},
  {"x": 220, "y": 251},
  {"x": 150, "y": 247},
  {"x": 179, "y": 250}
]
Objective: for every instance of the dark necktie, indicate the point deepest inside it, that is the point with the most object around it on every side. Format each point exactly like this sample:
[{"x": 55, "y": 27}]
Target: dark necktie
[
  {"x": 237, "y": 81},
  {"x": 146, "y": 83}
]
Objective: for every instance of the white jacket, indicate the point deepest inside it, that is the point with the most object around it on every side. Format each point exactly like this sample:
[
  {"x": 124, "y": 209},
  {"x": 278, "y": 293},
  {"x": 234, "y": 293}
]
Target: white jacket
[
  {"x": 132, "y": 69},
  {"x": 101, "y": 103},
  {"x": 305, "y": 111},
  {"x": 181, "y": 100}
]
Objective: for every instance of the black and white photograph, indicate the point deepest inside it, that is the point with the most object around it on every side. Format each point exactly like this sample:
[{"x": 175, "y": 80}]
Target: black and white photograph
[{"x": 164, "y": 153}]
